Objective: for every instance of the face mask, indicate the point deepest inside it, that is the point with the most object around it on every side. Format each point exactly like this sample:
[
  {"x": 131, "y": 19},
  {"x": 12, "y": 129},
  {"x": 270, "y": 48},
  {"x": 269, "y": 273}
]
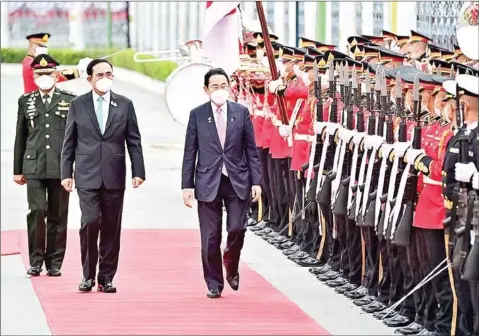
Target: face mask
[
  {"x": 220, "y": 96},
  {"x": 265, "y": 62},
  {"x": 437, "y": 111},
  {"x": 259, "y": 54},
  {"x": 104, "y": 85},
  {"x": 45, "y": 82},
  {"x": 306, "y": 79},
  {"x": 41, "y": 51}
]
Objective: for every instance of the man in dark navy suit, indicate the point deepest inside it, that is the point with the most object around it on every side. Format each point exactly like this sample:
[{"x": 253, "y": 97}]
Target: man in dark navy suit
[
  {"x": 99, "y": 125},
  {"x": 220, "y": 135}
]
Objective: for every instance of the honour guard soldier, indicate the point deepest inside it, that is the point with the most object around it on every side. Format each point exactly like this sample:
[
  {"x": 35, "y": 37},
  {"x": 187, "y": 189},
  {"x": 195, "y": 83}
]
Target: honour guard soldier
[
  {"x": 41, "y": 120},
  {"x": 468, "y": 108},
  {"x": 38, "y": 44}
]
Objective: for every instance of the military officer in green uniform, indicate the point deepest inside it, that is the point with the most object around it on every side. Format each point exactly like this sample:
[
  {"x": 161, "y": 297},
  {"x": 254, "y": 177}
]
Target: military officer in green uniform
[{"x": 41, "y": 120}]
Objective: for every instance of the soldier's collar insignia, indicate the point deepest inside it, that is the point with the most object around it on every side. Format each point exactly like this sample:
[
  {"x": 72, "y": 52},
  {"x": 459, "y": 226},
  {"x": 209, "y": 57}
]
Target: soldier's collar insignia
[{"x": 43, "y": 62}]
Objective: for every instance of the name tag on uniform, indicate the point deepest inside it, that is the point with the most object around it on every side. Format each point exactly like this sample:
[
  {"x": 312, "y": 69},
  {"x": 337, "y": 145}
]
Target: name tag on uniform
[
  {"x": 61, "y": 108},
  {"x": 454, "y": 150}
]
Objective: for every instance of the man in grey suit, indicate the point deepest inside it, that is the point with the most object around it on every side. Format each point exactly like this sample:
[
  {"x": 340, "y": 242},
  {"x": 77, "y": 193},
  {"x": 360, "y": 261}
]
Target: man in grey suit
[
  {"x": 220, "y": 135},
  {"x": 99, "y": 125}
]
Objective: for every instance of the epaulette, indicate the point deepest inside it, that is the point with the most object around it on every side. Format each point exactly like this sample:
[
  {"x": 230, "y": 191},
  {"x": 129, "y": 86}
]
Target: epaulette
[{"x": 67, "y": 92}]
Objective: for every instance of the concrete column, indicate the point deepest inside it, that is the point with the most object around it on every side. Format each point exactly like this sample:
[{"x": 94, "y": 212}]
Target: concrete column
[
  {"x": 279, "y": 10},
  {"x": 347, "y": 23},
  {"x": 328, "y": 23},
  {"x": 182, "y": 22},
  {"x": 367, "y": 25},
  {"x": 291, "y": 23},
  {"x": 193, "y": 32},
  {"x": 406, "y": 17},
  {"x": 387, "y": 11},
  {"x": 310, "y": 12},
  {"x": 173, "y": 28},
  {"x": 133, "y": 28}
]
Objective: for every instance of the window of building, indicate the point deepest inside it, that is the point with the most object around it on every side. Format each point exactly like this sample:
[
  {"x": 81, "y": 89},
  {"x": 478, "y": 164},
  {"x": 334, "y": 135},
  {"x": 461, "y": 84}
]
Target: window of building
[{"x": 335, "y": 22}]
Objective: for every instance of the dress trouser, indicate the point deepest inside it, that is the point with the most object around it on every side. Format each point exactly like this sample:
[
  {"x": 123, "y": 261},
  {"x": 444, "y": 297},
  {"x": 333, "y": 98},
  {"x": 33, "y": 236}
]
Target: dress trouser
[
  {"x": 102, "y": 211},
  {"x": 211, "y": 221},
  {"x": 47, "y": 199}
]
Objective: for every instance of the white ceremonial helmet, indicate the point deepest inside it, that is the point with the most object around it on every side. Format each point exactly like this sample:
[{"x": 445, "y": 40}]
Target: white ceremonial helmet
[{"x": 467, "y": 29}]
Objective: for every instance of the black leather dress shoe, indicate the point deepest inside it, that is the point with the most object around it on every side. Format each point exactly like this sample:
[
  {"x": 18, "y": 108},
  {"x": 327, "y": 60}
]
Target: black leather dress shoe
[
  {"x": 214, "y": 294},
  {"x": 260, "y": 226},
  {"x": 251, "y": 222},
  {"x": 263, "y": 232},
  {"x": 271, "y": 235},
  {"x": 428, "y": 333},
  {"x": 34, "y": 271},
  {"x": 381, "y": 314},
  {"x": 298, "y": 255},
  {"x": 86, "y": 285},
  {"x": 320, "y": 270},
  {"x": 373, "y": 307},
  {"x": 287, "y": 245},
  {"x": 233, "y": 281},
  {"x": 308, "y": 262},
  {"x": 339, "y": 281},
  {"x": 365, "y": 300},
  {"x": 291, "y": 250},
  {"x": 411, "y": 329},
  {"x": 329, "y": 275},
  {"x": 345, "y": 288},
  {"x": 106, "y": 287},
  {"x": 280, "y": 239},
  {"x": 53, "y": 272},
  {"x": 397, "y": 321},
  {"x": 357, "y": 293}
]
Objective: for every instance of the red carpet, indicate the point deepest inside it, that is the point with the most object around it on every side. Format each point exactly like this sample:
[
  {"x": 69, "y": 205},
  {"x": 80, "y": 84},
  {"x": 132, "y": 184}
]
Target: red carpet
[
  {"x": 161, "y": 292},
  {"x": 11, "y": 242}
]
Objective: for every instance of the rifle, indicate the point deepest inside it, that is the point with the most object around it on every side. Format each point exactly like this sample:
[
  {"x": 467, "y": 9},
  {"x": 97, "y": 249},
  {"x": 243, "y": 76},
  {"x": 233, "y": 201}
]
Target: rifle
[
  {"x": 323, "y": 187},
  {"x": 363, "y": 179},
  {"x": 384, "y": 178},
  {"x": 369, "y": 201},
  {"x": 401, "y": 236},
  {"x": 340, "y": 204}
]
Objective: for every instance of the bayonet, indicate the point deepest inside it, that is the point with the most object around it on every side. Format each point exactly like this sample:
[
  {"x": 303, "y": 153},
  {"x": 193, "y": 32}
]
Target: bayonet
[
  {"x": 398, "y": 86},
  {"x": 354, "y": 80},
  {"x": 367, "y": 82},
  {"x": 315, "y": 71},
  {"x": 415, "y": 94},
  {"x": 383, "y": 84}
]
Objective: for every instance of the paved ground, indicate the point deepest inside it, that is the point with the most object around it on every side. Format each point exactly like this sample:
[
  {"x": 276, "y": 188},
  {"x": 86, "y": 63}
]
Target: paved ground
[{"x": 157, "y": 204}]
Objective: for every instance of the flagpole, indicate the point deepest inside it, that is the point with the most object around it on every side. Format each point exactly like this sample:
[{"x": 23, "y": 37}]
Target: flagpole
[{"x": 272, "y": 64}]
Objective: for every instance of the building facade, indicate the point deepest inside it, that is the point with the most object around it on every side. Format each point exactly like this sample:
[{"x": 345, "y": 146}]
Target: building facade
[{"x": 166, "y": 25}]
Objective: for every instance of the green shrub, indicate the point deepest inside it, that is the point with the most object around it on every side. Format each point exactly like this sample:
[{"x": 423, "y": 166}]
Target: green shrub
[{"x": 124, "y": 59}]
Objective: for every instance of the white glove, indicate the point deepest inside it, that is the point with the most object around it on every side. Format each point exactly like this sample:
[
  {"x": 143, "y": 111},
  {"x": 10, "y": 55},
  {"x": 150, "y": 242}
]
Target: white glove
[
  {"x": 285, "y": 130},
  {"x": 475, "y": 183},
  {"x": 464, "y": 171},
  {"x": 319, "y": 127},
  {"x": 358, "y": 137},
  {"x": 82, "y": 65},
  {"x": 332, "y": 127},
  {"x": 400, "y": 148},
  {"x": 373, "y": 141},
  {"x": 345, "y": 134},
  {"x": 412, "y": 154},
  {"x": 273, "y": 85},
  {"x": 386, "y": 149}
]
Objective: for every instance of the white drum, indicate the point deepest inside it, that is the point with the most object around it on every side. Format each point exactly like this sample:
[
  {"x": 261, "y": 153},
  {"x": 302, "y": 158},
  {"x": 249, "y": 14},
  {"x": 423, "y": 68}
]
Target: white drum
[{"x": 184, "y": 90}]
